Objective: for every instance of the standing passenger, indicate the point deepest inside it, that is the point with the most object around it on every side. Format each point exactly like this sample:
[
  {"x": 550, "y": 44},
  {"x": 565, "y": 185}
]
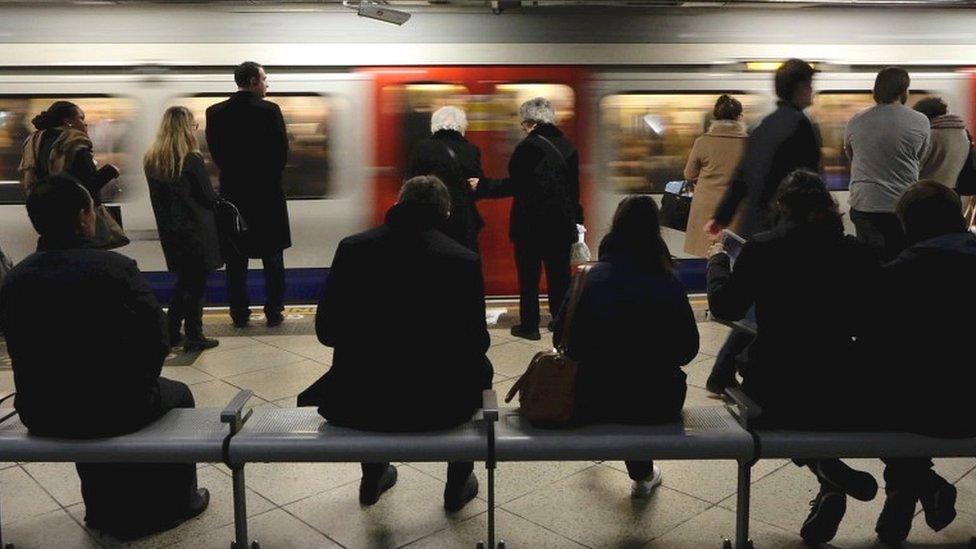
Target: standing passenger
[
  {"x": 544, "y": 181},
  {"x": 949, "y": 143},
  {"x": 247, "y": 138},
  {"x": 183, "y": 201},
  {"x": 784, "y": 141},
  {"x": 885, "y": 144},
  {"x": 632, "y": 302},
  {"x": 712, "y": 162}
]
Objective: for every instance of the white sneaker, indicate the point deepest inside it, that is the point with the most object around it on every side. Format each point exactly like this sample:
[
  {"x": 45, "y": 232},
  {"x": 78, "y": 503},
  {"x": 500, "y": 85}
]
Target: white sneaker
[{"x": 644, "y": 488}]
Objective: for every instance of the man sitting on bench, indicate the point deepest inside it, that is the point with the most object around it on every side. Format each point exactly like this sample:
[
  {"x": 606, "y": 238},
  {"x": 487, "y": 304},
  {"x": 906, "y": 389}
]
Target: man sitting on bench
[
  {"x": 87, "y": 340},
  {"x": 404, "y": 308}
]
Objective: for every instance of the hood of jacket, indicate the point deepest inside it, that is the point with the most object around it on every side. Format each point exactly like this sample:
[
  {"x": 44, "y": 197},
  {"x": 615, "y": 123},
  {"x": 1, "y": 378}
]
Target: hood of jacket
[
  {"x": 727, "y": 128},
  {"x": 947, "y": 121},
  {"x": 414, "y": 217},
  {"x": 956, "y": 243},
  {"x": 448, "y": 135},
  {"x": 546, "y": 130}
]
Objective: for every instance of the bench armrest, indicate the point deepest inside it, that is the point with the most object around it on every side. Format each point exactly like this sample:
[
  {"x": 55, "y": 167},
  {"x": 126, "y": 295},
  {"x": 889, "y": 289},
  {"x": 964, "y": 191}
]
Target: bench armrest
[
  {"x": 232, "y": 412},
  {"x": 489, "y": 406},
  {"x": 743, "y": 408}
]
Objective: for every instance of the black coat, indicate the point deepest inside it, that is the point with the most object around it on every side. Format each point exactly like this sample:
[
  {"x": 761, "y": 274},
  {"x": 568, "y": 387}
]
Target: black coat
[
  {"x": 547, "y": 216},
  {"x": 631, "y": 333},
  {"x": 185, "y": 218},
  {"x": 87, "y": 339},
  {"x": 784, "y": 141},
  {"x": 247, "y": 138},
  {"x": 811, "y": 287},
  {"x": 431, "y": 157},
  {"x": 404, "y": 308}
]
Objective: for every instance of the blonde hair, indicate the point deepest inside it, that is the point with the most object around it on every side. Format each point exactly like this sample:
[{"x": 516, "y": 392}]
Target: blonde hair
[{"x": 174, "y": 140}]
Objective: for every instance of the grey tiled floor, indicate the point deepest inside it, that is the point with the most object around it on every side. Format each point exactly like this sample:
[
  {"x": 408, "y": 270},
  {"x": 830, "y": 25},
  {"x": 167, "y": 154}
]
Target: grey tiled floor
[{"x": 540, "y": 505}]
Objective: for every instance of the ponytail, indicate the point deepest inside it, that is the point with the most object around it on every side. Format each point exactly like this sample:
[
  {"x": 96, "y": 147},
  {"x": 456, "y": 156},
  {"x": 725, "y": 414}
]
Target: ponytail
[{"x": 55, "y": 115}]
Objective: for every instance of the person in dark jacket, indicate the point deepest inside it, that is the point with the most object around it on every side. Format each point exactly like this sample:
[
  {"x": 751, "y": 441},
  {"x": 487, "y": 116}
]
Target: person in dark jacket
[
  {"x": 55, "y": 304},
  {"x": 810, "y": 286},
  {"x": 393, "y": 283},
  {"x": 631, "y": 332},
  {"x": 449, "y": 156},
  {"x": 544, "y": 183},
  {"x": 784, "y": 141},
  {"x": 917, "y": 340},
  {"x": 248, "y": 141},
  {"x": 183, "y": 201}
]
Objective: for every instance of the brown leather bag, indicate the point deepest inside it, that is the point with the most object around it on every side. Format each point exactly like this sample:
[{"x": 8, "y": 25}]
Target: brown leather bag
[{"x": 547, "y": 389}]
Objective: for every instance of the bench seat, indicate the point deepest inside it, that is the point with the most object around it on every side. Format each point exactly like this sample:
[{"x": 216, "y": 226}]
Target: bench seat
[
  {"x": 188, "y": 435},
  {"x": 833, "y": 444},
  {"x": 706, "y": 432},
  {"x": 301, "y": 435}
]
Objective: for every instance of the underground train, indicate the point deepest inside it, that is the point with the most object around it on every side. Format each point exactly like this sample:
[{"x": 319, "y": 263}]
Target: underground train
[{"x": 631, "y": 89}]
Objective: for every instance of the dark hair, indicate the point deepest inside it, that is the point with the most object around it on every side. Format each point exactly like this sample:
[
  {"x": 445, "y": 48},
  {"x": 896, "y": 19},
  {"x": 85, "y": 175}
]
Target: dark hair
[
  {"x": 636, "y": 227},
  {"x": 932, "y": 107},
  {"x": 55, "y": 115},
  {"x": 53, "y": 204},
  {"x": 802, "y": 198},
  {"x": 928, "y": 209},
  {"x": 245, "y": 72},
  {"x": 727, "y": 108},
  {"x": 426, "y": 189},
  {"x": 790, "y": 75},
  {"x": 890, "y": 85}
]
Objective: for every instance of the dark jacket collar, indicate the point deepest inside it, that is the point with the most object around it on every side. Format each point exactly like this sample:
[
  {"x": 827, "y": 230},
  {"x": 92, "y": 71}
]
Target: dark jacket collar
[
  {"x": 960, "y": 243},
  {"x": 546, "y": 130},
  {"x": 244, "y": 95},
  {"x": 448, "y": 135},
  {"x": 49, "y": 243},
  {"x": 783, "y": 104},
  {"x": 615, "y": 252},
  {"x": 413, "y": 217}
]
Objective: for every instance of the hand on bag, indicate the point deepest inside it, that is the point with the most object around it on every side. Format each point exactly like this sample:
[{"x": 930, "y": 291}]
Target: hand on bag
[
  {"x": 713, "y": 230},
  {"x": 715, "y": 248},
  {"x": 473, "y": 183}
]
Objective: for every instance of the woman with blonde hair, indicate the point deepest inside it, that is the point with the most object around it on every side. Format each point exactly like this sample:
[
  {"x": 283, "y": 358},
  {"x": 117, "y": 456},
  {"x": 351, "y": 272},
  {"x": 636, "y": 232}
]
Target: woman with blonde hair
[{"x": 183, "y": 201}]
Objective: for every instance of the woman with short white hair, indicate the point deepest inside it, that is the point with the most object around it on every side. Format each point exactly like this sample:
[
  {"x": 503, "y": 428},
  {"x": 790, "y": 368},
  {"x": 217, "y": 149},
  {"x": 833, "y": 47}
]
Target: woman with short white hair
[{"x": 454, "y": 160}]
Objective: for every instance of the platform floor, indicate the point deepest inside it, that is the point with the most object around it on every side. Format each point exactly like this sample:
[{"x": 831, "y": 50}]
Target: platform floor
[{"x": 540, "y": 505}]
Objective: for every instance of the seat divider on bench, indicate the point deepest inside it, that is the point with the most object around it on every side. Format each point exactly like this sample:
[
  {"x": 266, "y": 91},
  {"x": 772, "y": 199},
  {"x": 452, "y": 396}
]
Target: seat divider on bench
[
  {"x": 235, "y": 418},
  {"x": 489, "y": 415},
  {"x": 743, "y": 409}
]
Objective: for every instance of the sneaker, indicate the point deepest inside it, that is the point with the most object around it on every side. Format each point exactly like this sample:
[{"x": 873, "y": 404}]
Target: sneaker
[
  {"x": 199, "y": 344},
  {"x": 938, "y": 502},
  {"x": 369, "y": 492},
  {"x": 525, "y": 333},
  {"x": 644, "y": 488},
  {"x": 895, "y": 520},
  {"x": 274, "y": 319},
  {"x": 456, "y": 498},
  {"x": 826, "y": 512},
  {"x": 841, "y": 478}
]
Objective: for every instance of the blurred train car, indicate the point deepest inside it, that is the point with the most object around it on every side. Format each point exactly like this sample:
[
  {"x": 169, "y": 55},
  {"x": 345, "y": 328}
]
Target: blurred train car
[{"x": 632, "y": 89}]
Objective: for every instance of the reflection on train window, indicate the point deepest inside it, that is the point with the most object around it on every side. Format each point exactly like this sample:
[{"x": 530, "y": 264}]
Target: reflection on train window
[
  {"x": 511, "y": 96},
  {"x": 650, "y": 135},
  {"x": 308, "y": 121},
  {"x": 109, "y": 120},
  {"x": 831, "y": 111},
  {"x": 414, "y": 103}
]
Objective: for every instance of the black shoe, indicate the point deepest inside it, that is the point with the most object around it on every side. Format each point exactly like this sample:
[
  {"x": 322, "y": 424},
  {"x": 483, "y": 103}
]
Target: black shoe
[
  {"x": 455, "y": 498},
  {"x": 274, "y": 319},
  {"x": 838, "y": 475},
  {"x": 826, "y": 512},
  {"x": 175, "y": 340},
  {"x": 370, "y": 492},
  {"x": 199, "y": 502},
  {"x": 718, "y": 381},
  {"x": 938, "y": 500},
  {"x": 240, "y": 322},
  {"x": 895, "y": 520},
  {"x": 525, "y": 333},
  {"x": 199, "y": 344}
]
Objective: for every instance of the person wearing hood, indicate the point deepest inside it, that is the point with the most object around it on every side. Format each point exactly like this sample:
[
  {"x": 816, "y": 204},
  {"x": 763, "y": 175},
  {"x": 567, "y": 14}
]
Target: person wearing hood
[
  {"x": 632, "y": 330},
  {"x": 391, "y": 372},
  {"x": 918, "y": 343},
  {"x": 711, "y": 165},
  {"x": 949, "y": 143}
]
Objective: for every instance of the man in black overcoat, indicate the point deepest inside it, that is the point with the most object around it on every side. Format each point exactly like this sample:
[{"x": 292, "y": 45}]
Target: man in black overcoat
[{"x": 247, "y": 138}]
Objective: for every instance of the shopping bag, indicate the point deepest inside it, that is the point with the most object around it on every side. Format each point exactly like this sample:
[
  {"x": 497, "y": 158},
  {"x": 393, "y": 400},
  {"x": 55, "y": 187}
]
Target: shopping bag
[{"x": 580, "y": 252}]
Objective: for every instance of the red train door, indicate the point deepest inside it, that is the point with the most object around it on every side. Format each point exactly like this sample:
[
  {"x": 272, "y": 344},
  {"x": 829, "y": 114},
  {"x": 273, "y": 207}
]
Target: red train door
[{"x": 405, "y": 97}]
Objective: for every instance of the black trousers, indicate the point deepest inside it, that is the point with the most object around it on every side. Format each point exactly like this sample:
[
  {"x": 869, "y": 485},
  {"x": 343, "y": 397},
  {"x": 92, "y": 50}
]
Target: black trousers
[
  {"x": 908, "y": 474},
  {"x": 457, "y": 472},
  {"x": 274, "y": 284},
  {"x": 130, "y": 500},
  {"x": 639, "y": 470},
  {"x": 529, "y": 259},
  {"x": 186, "y": 308},
  {"x": 881, "y": 231}
]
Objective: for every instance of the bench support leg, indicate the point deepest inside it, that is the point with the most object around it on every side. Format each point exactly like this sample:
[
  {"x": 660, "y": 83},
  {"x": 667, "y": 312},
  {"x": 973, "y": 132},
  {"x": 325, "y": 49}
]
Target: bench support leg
[
  {"x": 744, "y": 485},
  {"x": 241, "y": 540}
]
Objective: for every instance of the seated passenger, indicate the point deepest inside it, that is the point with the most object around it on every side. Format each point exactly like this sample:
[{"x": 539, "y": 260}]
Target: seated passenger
[
  {"x": 948, "y": 143},
  {"x": 404, "y": 308},
  {"x": 87, "y": 341},
  {"x": 632, "y": 330},
  {"x": 808, "y": 283},
  {"x": 919, "y": 339}
]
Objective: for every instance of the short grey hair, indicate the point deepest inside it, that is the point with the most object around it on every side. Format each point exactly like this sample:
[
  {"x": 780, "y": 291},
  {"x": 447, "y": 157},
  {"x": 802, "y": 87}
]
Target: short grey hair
[
  {"x": 426, "y": 189},
  {"x": 538, "y": 110},
  {"x": 449, "y": 118}
]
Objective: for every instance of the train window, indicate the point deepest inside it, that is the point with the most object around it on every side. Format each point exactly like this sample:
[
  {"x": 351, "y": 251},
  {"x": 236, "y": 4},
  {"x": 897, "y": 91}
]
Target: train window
[
  {"x": 308, "y": 119},
  {"x": 650, "y": 135},
  {"x": 109, "y": 120}
]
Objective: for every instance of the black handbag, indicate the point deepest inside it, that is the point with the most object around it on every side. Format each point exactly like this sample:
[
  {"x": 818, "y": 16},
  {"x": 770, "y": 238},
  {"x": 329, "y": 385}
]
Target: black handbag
[
  {"x": 231, "y": 227},
  {"x": 966, "y": 182},
  {"x": 675, "y": 208}
]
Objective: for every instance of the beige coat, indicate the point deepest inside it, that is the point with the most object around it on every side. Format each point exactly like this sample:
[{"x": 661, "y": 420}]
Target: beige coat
[
  {"x": 948, "y": 151},
  {"x": 712, "y": 162}
]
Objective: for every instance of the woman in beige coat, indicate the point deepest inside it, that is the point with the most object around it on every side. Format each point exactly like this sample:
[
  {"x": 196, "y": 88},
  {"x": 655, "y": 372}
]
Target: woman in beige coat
[{"x": 712, "y": 164}]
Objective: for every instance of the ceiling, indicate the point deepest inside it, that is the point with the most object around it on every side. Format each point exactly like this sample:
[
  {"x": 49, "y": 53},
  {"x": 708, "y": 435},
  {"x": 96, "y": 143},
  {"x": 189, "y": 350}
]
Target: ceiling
[{"x": 505, "y": 5}]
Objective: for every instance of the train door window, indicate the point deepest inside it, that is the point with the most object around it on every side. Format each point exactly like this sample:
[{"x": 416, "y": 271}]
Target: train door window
[
  {"x": 511, "y": 96},
  {"x": 413, "y": 104},
  {"x": 308, "y": 121},
  {"x": 650, "y": 135},
  {"x": 109, "y": 121},
  {"x": 831, "y": 111}
]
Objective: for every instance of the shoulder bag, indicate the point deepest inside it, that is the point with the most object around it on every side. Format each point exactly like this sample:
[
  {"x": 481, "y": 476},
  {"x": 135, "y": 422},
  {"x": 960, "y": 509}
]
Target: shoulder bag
[{"x": 676, "y": 207}]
